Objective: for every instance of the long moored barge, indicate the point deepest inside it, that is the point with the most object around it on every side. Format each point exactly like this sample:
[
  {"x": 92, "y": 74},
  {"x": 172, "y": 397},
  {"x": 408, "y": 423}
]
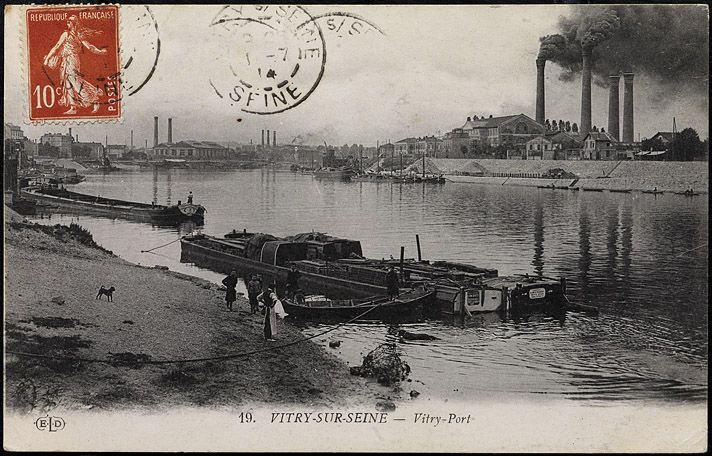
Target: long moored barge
[
  {"x": 336, "y": 267},
  {"x": 60, "y": 198}
]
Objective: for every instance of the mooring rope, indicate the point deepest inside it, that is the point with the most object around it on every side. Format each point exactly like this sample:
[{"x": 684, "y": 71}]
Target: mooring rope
[
  {"x": 161, "y": 246},
  {"x": 190, "y": 360}
]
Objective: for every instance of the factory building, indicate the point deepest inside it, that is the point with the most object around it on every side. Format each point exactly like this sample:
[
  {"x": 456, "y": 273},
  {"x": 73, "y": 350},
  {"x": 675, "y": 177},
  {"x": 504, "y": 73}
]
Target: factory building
[
  {"x": 191, "y": 150},
  {"x": 61, "y": 141},
  {"x": 510, "y": 131}
]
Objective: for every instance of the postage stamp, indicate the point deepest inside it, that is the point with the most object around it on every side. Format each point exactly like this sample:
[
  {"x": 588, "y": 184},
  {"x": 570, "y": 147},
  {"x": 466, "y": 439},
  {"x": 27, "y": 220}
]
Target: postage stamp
[
  {"x": 73, "y": 63},
  {"x": 273, "y": 57}
]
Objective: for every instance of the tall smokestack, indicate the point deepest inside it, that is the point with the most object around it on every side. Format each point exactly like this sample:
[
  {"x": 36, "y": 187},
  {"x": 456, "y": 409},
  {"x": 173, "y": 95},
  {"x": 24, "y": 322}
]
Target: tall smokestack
[
  {"x": 155, "y": 131},
  {"x": 131, "y": 139},
  {"x": 586, "y": 93},
  {"x": 170, "y": 130},
  {"x": 613, "y": 106},
  {"x": 267, "y": 138},
  {"x": 540, "y": 105},
  {"x": 263, "y": 138},
  {"x": 70, "y": 131},
  {"x": 628, "y": 108},
  {"x": 274, "y": 137}
]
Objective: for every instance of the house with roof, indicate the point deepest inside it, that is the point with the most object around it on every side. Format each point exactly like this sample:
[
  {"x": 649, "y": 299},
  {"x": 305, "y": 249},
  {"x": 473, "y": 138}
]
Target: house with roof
[
  {"x": 405, "y": 146},
  {"x": 599, "y": 145},
  {"x": 665, "y": 137},
  {"x": 511, "y": 131}
]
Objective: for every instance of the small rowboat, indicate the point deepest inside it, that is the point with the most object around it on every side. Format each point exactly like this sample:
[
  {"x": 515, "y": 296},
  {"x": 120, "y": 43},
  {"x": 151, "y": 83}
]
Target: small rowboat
[
  {"x": 592, "y": 189},
  {"x": 408, "y": 303},
  {"x": 653, "y": 192},
  {"x": 687, "y": 194},
  {"x": 614, "y": 190}
]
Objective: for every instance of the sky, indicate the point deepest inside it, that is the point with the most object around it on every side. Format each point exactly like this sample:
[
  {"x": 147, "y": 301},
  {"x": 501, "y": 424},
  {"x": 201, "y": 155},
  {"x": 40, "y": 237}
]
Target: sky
[{"x": 431, "y": 68}]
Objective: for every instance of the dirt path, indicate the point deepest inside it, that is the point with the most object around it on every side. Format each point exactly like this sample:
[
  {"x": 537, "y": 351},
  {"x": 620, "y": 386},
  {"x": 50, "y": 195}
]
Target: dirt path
[{"x": 51, "y": 309}]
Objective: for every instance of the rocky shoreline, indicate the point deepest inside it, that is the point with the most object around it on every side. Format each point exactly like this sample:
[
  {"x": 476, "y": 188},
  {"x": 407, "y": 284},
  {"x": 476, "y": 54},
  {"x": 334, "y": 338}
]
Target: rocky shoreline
[{"x": 51, "y": 309}]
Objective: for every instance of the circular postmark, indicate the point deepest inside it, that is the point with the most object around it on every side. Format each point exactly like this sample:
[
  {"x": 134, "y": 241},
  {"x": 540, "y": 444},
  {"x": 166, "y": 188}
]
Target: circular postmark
[
  {"x": 270, "y": 58},
  {"x": 140, "y": 47}
]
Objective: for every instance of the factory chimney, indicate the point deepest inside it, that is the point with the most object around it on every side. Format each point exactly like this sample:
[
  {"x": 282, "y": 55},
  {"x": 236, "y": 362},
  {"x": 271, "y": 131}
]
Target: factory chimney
[
  {"x": 628, "y": 108},
  {"x": 267, "y": 138},
  {"x": 131, "y": 139},
  {"x": 170, "y": 130},
  {"x": 155, "y": 131},
  {"x": 70, "y": 132},
  {"x": 274, "y": 138},
  {"x": 586, "y": 93},
  {"x": 263, "y": 138},
  {"x": 613, "y": 106},
  {"x": 540, "y": 104}
]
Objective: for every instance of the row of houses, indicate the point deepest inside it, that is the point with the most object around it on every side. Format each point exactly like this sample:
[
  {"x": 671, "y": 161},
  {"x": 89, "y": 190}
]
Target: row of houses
[{"x": 514, "y": 137}]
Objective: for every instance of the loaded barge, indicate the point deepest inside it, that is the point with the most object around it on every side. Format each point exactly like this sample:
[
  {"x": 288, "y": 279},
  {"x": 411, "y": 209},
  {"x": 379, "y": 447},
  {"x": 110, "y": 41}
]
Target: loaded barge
[
  {"x": 336, "y": 267},
  {"x": 60, "y": 198}
]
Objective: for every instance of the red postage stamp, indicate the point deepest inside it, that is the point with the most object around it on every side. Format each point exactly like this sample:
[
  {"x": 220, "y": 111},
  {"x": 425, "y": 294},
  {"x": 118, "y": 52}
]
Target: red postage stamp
[{"x": 73, "y": 68}]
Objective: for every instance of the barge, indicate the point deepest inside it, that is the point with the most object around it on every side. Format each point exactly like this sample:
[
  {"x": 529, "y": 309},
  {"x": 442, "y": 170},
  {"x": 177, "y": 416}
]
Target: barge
[
  {"x": 62, "y": 199},
  {"x": 335, "y": 267}
]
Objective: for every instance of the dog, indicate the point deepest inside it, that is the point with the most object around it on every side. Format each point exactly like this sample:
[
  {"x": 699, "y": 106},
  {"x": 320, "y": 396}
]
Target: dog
[{"x": 108, "y": 292}]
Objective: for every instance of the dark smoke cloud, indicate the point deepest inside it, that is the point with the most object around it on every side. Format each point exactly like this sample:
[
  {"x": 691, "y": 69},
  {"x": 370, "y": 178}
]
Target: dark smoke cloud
[{"x": 668, "y": 43}]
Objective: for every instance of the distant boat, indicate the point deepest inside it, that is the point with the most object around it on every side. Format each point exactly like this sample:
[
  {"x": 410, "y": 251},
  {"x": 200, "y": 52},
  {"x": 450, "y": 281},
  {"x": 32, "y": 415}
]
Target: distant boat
[
  {"x": 592, "y": 189},
  {"x": 59, "y": 198},
  {"x": 342, "y": 172},
  {"x": 688, "y": 193},
  {"x": 654, "y": 192},
  {"x": 614, "y": 190}
]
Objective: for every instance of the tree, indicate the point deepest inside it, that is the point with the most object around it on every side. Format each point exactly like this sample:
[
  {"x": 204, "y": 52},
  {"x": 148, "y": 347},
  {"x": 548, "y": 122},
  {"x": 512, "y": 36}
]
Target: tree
[
  {"x": 48, "y": 150},
  {"x": 548, "y": 124},
  {"x": 595, "y": 129},
  {"x": 568, "y": 126},
  {"x": 562, "y": 126},
  {"x": 80, "y": 151},
  {"x": 653, "y": 144},
  {"x": 574, "y": 128},
  {"x": 687, "y": 145}
]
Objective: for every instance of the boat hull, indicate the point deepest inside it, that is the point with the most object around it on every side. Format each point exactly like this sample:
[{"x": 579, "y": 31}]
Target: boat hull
[
  {"x": 160, "y": 215},
  {"x": 407, "y": 305},
  {"x": 312, "y": 283}
]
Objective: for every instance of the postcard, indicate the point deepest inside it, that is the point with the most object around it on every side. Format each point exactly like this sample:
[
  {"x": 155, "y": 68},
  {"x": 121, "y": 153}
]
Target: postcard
[{"x": 383, "y": 228}]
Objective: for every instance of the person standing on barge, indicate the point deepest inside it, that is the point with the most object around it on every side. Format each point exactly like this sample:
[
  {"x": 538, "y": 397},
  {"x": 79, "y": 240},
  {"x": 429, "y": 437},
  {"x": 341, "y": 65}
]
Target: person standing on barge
[{"x": 392, "y": 283}]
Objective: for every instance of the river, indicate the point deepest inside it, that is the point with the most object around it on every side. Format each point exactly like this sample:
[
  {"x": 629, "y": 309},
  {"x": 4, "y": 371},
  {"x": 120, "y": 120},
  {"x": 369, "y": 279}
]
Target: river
[{"x": 642, "y": 259}]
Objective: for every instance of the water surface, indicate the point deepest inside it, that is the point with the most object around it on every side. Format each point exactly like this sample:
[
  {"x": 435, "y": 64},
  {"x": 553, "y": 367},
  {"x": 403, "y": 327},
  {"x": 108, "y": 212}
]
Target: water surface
[{"x": 642, "y": 259}]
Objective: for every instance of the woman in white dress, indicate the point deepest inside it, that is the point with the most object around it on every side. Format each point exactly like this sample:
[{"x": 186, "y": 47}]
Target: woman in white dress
[{"x": 76, "y": 91}]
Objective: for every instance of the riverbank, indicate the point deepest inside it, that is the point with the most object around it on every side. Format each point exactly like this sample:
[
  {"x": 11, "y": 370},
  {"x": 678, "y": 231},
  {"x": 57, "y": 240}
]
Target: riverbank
[
  {"x": 156, "y": 314},
  {"x": 606, "y": 175}
]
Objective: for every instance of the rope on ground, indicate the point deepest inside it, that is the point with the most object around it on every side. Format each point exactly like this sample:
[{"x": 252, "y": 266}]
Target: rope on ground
[
  {"x": 161, "y": 246},
  {"x": 190, "y": 360}
]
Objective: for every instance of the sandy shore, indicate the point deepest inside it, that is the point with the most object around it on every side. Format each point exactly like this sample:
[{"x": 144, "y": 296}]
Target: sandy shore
[{"x": 50, "y": 306}]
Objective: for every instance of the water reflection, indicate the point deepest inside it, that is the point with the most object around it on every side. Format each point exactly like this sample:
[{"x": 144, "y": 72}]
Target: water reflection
[
  {"x": 538, "y": 261},
  {"x": 650, "y": 340}
]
